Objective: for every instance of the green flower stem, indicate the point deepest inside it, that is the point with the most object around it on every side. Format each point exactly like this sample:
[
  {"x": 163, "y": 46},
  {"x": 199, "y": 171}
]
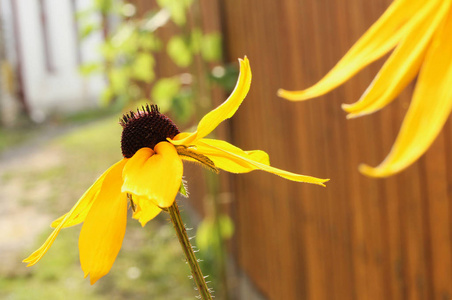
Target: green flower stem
[{"x": 189, "y": 253}]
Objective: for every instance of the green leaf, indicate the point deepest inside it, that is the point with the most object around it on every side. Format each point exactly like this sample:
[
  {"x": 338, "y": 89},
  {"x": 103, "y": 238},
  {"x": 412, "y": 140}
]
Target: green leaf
[
  {"x": 105, "y": 6},
  {"x": 177, "y": 9},
  {"x": 183, "y": 189},
  {"x": 106, "y": 96},
  {"x": 182, "y": 105},
  {"x": 163, "y": 92},
  {"x": 87, "y": 29},
  {"x": 207, "y": 234},
  {"x": 119, "y": 79},
  {"x": 196, "y": 40},
  {"x": 227, "y": 227},
  {"x": 125, "y": 39},
  {"x": 90, "y": 68},
  {"x": 149, "y": 42},
  {"x": 226, "y": 76},
  {"x": 211, "y": 47},
  {"x": 85, "y": 13},
  {"x": 108, "y": 51},
  {"x": 179, "y": 51},
  {"x": 187, "y": 3},
  {"x": 143, "y": 67}
]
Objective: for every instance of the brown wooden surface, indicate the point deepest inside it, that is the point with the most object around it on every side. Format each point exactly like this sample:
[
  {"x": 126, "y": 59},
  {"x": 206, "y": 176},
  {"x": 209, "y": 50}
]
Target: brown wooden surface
[{"x": 359, "y": 238}]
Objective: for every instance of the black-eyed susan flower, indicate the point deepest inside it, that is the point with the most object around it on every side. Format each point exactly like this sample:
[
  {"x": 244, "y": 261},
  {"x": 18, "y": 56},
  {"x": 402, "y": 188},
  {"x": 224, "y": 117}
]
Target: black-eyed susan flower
[
  {"x": 150, "y": 176},
  {"x": 420, "y": 32}
]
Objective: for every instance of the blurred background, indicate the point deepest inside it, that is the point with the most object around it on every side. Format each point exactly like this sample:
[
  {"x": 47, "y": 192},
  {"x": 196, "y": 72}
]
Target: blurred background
[{"x": 70, "y": 68}]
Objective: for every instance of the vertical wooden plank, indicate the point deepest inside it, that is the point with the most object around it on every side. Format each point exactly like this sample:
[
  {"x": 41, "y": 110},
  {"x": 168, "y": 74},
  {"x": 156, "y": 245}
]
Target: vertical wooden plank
[
  {"x": 392, "y": 214},
  {"x": 364, "y": 238},
  {"x": 438, "y": 218}
]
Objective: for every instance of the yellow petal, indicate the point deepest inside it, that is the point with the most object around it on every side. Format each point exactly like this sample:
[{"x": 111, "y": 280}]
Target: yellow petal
[
  {"x": 86, "y": 201},
  {"x": 239, "y": 162},
  {"x": 145, "y": 210},
  {"x": 104, "y": 228},
  {"x": 403, "y": 65},
  {"x": 154, "y": 175},
  {"x": 226, "y": 110},
  {"x": 80, "y": 208},
  {"x": 379, "y": 39},
  {"x": 429, "y": 109},
  {"x": 204, "y": 146}
]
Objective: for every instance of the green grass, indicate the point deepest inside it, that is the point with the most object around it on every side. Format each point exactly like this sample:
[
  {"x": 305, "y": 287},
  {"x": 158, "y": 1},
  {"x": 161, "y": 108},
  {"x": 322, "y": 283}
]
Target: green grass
[
  {"x": 150, "y": 264},
  {"x": 13, "y": 137}
]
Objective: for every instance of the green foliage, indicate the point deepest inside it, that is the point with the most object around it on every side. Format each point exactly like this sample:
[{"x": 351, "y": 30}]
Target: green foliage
[
  {"x": 182, "y": 105},
  {"x": 196, "y": 40},
  {"x": 183, "y": 189},
  {"x": 163, "y": 92},
  {"x": 130, "y": 50},
  {"x": 179, "y": 51},
  {"x": 87, "y": 29},
  {"x": 211, "y": 47},
  {"x": 90, "y": 68},
  {"x": 104, "y": 6},
  {"x": 143, "y": 67},
  {"x": 177, "y": 9},
  {"x": 210, "y": 232},
  {"x": 226, "y": 76}
]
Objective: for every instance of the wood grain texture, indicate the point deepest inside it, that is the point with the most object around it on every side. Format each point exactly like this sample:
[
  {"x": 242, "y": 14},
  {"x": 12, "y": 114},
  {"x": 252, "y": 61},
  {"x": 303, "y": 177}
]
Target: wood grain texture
[{"x": 359, "y": 238}]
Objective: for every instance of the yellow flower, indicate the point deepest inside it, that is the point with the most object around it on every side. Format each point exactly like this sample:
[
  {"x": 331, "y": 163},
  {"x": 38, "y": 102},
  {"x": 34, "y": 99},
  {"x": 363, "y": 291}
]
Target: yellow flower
[
  {"x": 421, "y": 33},
  {"x": 150, "y": 176}
]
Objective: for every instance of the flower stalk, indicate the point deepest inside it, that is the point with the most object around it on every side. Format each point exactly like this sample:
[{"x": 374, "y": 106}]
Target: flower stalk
[{"x": 196, "y": 272}]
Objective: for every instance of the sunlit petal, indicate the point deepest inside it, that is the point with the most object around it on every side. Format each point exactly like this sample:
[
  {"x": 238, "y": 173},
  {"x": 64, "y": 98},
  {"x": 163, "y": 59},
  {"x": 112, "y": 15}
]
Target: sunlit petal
[
  {"x": 226, "y": 110},
  {"x": 145, "y": 210},
  {"x": 429, "y": 109},
  {"x": 379, "y": 39},
  {"x": 222, "y": 161},
  {"x": 403, "y": 65},
  {"x": 74, "y": 215},
  {"x": 86, "y": 201},
  {"x": 104, "y": 228},
  {"x": 154, "y": 175},
  {"x": 234, "y": 161}
]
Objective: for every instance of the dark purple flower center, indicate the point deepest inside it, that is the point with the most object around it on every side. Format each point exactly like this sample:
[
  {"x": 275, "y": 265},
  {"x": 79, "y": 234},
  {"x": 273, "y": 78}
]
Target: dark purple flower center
[{"x": 145, "y": 128}]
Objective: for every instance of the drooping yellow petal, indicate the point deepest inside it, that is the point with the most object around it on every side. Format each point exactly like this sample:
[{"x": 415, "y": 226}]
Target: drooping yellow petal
[
  {"x": 429, "y": 109},
  {"x": 204, "y": 146},
  {"x": 226, "y": 110},
  {"x": 154, "y": 175},
  {"x": 145, "y": 210},
  {"x": 74, "y": 215},
  {"x": 234, "y": 161},
  {"x": 379, "y": 39},
  {"x": 104, "y": 228},
  {"x": 403, "y": 65},
  {"x": 80, "y": 213}
]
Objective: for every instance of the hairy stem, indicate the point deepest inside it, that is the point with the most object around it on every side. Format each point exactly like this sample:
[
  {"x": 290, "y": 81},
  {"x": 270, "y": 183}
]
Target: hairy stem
[{"x": 188, "y": 251}]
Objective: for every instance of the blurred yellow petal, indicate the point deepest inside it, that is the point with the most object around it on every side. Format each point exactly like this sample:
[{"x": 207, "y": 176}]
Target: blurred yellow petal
[
  {"x": 104, "y": 228},
  {"x": 154, "y": 175},
  {"x": 403, "y": 65},
  {"x": 429, "y": 109},
  {"x": 80, "y": 208},
  {"x": 86, "y": 201},
  {"x": 234, "y": 161},
  {"x": 226, "y": 110},
  {"x": 145, "y": 210},
  {"x": 379, "y": 39},
  {"x": 205, "y": 147}
]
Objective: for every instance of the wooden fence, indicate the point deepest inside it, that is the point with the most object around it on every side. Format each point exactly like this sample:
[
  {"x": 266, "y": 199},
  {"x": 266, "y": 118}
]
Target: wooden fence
[{"x": 358, "y": 238}]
